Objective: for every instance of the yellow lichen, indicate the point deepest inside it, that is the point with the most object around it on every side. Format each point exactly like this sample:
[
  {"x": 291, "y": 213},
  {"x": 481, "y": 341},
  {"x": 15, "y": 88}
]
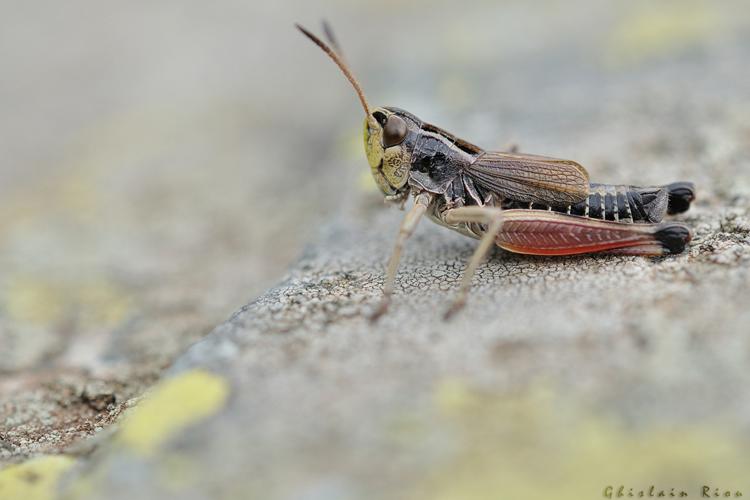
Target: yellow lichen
[
  {"x": 177, "y": 471},
  {"x": 170, "y": 407},
  {"x": 36, "y": 479},
  {"x": 96, "y": 302},
  {"x": 541, "y": 445},
  {"x": 102, "y": 303},
  {"x": 452, "y": 395},
  {"x": 656, "y": 28},
  {"x": 34, "y": 301}
]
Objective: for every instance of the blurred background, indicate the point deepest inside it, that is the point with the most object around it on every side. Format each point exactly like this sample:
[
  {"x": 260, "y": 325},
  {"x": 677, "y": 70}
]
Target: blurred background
[{"x": 162, "y": 163}]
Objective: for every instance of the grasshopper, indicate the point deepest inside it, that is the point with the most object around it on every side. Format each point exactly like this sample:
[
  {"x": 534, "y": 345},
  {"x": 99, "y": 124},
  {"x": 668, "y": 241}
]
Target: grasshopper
[{"x": 523, "y": 203}]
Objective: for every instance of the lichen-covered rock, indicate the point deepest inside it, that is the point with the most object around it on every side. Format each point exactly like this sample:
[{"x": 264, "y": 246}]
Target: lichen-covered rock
[
  {"x": 562, "y": 376},
  {"x": 582, "y": 364}
]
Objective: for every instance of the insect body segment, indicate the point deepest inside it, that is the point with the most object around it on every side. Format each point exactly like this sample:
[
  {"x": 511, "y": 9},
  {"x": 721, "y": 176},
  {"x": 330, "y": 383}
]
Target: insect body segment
[
  {"x": 523, "y": 203},
  {"x": 623, "y": 203}
]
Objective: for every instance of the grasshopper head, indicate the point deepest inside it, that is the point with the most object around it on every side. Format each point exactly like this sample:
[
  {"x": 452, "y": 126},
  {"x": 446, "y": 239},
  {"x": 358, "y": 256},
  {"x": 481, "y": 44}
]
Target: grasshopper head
[
  {"x": 389, "y": 133},
  {"x": 389, "y": 141}
]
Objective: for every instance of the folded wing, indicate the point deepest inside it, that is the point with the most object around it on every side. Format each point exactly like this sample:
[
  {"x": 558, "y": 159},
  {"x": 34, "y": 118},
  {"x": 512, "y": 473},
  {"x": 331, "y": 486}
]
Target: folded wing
[{"x": 531, "y": 178}]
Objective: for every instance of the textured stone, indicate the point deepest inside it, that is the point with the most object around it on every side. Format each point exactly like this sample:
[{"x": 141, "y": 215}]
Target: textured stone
[{"x": 560, "y": 377}]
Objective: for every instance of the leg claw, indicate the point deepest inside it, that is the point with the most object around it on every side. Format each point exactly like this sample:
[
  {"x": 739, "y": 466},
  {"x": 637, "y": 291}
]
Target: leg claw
[
  {"x": 379, "y": 311},
  {"x": 454, "y": 308}
]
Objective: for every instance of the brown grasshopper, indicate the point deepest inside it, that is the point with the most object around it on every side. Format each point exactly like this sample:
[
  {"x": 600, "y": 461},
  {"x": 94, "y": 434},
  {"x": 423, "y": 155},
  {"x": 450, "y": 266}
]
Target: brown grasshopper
[{"x": 522, "y": 203}]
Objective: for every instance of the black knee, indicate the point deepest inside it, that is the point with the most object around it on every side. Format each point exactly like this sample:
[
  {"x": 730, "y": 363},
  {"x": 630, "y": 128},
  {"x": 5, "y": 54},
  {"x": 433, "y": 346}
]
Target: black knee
[
  {"x": 681, "y": 194},
  {"x": 674, "y": 237}
]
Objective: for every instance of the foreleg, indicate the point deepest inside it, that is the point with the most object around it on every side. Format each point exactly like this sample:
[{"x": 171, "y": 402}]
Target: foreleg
[{"x": 410, "y": 222}]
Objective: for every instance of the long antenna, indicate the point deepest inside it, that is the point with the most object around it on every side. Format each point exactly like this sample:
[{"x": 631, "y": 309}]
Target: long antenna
[
  {"x": 339, "y": 62},
  {"x": 332, "y": 40}
]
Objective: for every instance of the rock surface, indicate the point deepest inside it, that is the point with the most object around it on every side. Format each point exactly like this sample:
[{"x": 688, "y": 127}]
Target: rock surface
[{"x": 561, "y": 376}]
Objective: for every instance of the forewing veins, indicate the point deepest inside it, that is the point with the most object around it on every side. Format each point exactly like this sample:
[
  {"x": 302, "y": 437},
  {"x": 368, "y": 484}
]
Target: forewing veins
[{"x": 530, "y": 178}]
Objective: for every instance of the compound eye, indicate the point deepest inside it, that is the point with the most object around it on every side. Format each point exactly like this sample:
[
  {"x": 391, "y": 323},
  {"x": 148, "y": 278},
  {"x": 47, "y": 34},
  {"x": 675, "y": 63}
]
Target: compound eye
[
  {"x": 394, "y": 131},
  {"x": 380, "y": 117}
]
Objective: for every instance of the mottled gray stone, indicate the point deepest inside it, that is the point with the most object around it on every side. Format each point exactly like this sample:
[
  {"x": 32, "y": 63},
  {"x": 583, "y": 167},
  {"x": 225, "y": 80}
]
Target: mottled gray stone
[
  {"x": 211, "y": 143},
  {"x": 319, "y": 393}
]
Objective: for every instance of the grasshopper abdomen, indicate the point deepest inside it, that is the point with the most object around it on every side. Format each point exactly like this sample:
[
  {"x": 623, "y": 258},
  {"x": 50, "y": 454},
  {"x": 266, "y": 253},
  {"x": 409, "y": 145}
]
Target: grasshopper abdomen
[{"x": 621, "y": 203}]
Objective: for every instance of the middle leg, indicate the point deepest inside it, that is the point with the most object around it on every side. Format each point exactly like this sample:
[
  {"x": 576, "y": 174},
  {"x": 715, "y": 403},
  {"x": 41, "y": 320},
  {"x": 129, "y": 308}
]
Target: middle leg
[{"x": 492, "y": 216}]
